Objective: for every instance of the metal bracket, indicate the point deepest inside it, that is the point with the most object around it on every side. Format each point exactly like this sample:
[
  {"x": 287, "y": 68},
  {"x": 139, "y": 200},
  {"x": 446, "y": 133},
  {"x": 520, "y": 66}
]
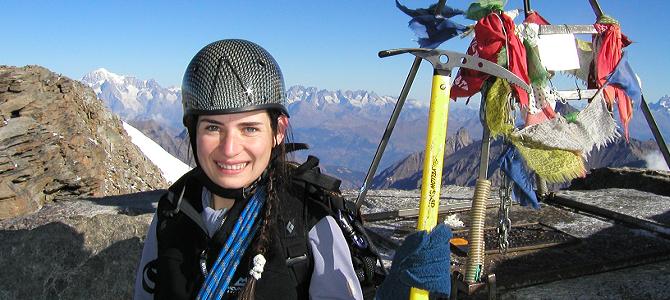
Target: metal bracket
[
  {"x": 458, "y": 284},
  {"x": 562, "y": 29},
  {"x": 444, "y": 60}
]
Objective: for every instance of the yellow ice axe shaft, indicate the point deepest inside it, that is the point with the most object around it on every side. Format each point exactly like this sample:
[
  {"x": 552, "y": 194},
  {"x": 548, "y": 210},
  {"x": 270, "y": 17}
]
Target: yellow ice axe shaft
[{"x": 431, "y": 181}]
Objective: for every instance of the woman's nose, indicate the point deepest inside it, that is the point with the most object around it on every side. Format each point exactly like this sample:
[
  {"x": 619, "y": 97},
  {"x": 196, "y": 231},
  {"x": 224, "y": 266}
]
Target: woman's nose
[{"x": 230, "y": 145}]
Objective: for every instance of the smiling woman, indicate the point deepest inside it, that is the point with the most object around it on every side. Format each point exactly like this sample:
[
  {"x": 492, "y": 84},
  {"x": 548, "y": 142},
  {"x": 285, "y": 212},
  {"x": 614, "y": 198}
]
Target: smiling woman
[{"x": 214, "y": 235}]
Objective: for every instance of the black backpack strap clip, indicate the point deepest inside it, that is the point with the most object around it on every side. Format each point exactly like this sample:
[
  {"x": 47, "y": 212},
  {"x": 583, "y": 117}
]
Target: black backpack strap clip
[
  {"x": 291, "y": 147},
  {"x": 311, "y": 163},
  {"x": 293, "y": 237},
  {"x": 310, "y": 173},
  {"x": 184, "y": 207}
]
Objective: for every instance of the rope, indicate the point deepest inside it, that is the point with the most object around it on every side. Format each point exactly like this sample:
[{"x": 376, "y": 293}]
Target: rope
[{"x": 221, "y": 274}]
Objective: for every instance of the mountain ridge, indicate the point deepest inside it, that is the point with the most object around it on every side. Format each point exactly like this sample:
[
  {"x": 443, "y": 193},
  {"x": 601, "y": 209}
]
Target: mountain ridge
[
  {"x": 461, "y": 166},
  {"x": 343, "y": 127},
  {"x": 60, "y": 142}
]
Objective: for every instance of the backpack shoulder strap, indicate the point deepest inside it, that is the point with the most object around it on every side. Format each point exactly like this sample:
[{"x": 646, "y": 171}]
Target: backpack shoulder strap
[
  {"x": 293, "y": 237},
  {"x": 298, "y": 214},
  {"x": 173, "y": 206},
  {"x": 309, "y": 172}
]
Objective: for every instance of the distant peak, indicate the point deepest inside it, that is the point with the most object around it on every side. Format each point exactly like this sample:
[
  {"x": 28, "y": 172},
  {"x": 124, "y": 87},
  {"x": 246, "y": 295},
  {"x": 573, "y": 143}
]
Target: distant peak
[
  {"x": 101, "y": 75},
  {"x": 319, "y": 96},
  {"x": 101, "y": 70}
]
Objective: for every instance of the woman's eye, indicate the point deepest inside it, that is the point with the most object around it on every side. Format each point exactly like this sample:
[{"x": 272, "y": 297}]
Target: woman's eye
[
  {"x": 250, "y": 130},
  {"x": 212, "y": 128}
]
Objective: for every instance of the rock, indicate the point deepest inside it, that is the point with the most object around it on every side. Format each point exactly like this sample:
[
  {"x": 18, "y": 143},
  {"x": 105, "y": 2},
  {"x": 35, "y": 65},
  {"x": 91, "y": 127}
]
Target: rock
[
  {"x": 90, "y": 248},
  {"x": 59, "y": 142},
  {"x": 642, "y": 282},
  {"x": 653, "y": 181},
  {"x": 16, "y": 86},
  {"x": 79, "y": 249}
]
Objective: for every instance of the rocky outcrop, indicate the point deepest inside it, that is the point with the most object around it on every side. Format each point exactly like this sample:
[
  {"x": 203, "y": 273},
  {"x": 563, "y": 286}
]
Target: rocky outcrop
[
  {"x": 79, "y": 249},
  {"x": 653, "y": 181},
  {"x": 59, "y": 142},
  {"x": 90, "y": 248}
]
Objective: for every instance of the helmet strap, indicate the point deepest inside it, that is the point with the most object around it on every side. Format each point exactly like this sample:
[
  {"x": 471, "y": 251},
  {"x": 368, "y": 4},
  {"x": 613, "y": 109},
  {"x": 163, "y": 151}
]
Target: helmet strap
[{"x": 237, "y": 194}]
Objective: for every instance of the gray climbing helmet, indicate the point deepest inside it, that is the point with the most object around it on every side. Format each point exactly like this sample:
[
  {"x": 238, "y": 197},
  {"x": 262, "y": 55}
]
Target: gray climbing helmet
[{"x": 230, "y": 76}]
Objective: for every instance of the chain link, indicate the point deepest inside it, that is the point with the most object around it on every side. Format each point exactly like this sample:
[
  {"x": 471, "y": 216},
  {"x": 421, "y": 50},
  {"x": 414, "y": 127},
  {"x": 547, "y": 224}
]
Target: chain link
[{"x": 504, "y": 222}]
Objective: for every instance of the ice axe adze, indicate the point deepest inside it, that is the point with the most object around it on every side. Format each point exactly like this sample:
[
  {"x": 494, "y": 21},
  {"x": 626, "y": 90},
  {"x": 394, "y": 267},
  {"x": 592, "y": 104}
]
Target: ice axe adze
[{"x": 443, "y": 62}]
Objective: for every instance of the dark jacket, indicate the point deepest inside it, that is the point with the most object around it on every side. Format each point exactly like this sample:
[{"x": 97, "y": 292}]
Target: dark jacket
[{"x": 183, "y": 244}]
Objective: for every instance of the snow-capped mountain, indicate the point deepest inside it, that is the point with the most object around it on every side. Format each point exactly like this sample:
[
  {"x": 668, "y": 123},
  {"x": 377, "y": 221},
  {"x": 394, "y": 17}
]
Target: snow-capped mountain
[
  {"x": 639, "y": 128},
  {"x": 359, "y": 104},
  {"x": 359, "y": 98},
  {"x": 663, "y": 105},
  {"x": 342, "y": 127},
  {"x": 135, "y": 99}
]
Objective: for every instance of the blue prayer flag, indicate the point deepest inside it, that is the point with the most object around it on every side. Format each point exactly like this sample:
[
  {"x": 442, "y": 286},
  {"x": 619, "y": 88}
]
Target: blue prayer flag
[
  {"x": 624, "y": 77},
  {"x": 432, "y": 29},
  {"x": 511, "y": 163}
]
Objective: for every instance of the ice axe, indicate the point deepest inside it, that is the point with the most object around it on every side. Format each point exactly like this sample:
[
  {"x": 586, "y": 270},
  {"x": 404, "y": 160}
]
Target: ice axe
[{"x": 443, "y": 63}]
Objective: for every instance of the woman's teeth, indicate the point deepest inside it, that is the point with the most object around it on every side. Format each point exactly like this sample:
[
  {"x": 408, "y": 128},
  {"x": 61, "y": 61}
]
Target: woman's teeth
[{"x": 231, "y": 167}]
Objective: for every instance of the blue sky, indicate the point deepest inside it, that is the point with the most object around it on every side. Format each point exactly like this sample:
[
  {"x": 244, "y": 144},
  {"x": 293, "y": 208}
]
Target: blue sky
[{"x": 328, "y": 44}]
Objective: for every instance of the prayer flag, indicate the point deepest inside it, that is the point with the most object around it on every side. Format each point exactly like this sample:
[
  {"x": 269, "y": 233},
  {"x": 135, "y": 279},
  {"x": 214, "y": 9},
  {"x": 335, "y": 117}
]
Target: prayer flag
[
  {"x": 432, "y": 29},
  {"x": 511, "y": 163},
  {"x": 624, "y": 77}
]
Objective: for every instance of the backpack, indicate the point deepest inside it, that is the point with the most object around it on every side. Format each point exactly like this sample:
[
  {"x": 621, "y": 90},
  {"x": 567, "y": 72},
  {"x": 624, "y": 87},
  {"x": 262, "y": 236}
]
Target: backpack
[{"x": 324, "y": 190}]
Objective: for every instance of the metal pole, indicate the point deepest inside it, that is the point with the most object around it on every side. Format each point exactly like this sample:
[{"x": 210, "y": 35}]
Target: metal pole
[
  {"x": 387, "y": 133},
  {"x": 596, "y": 8},
  {"x": 484, "y": 156},
  {"x": 654, "y": 129},
  {"x": 526, "y": 7},
  {"x": 394, "y": 117},
  {"x": 542, "y": 187},
  {"x": 475, "y": 263}
]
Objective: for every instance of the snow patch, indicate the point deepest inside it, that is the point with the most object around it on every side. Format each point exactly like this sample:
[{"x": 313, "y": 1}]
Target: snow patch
[
  {"x": 171, "y": 97},
  {"x": 103, "y": 74},
  {"x": 453, "y": 221},
  {"x": 171, "y": 167}
]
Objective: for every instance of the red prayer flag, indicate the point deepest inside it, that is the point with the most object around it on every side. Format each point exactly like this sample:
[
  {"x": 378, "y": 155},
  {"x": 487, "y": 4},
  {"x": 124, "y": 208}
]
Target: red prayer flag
[{"x": 491, "y": 33}]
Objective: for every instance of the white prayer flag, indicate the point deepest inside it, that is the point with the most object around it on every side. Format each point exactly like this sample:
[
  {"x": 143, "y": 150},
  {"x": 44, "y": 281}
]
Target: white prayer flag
[{"x": 558, "y": 52}]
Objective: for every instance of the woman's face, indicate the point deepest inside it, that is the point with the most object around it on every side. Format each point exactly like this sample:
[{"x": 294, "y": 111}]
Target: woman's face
[{"x": 234, "y": 149}]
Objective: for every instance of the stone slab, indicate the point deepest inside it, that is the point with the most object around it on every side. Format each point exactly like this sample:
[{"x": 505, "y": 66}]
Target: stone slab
[{"x": 643, "y": 205}]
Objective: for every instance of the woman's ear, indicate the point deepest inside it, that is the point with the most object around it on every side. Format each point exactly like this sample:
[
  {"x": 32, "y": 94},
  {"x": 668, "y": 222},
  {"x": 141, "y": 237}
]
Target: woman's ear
[{"x": 282, "y": 126}]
